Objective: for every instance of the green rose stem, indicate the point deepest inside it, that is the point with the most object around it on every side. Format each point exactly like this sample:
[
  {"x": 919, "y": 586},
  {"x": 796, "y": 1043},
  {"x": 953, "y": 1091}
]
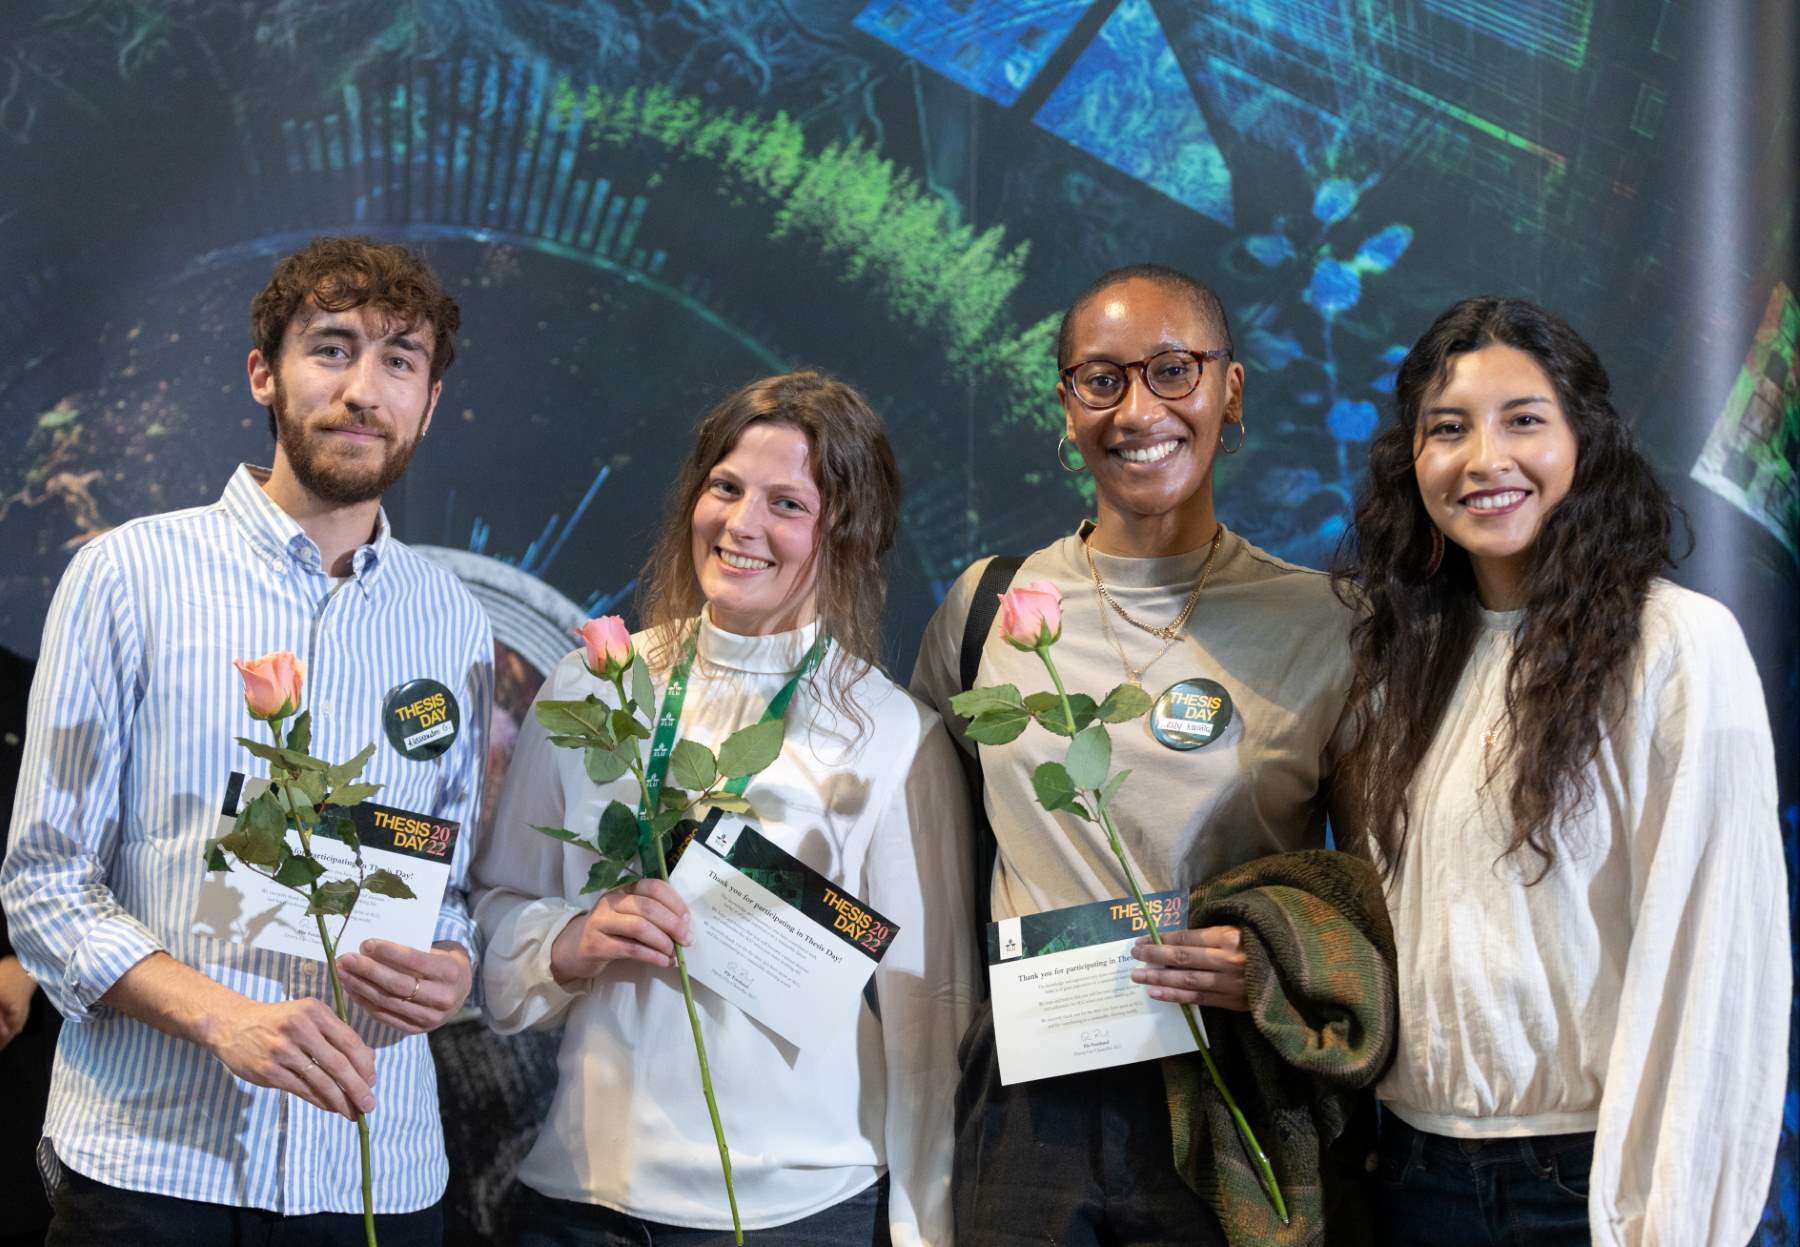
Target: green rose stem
[
  {"x": 1265, "y": 1172},
  {"x": 337, "y": 994},
  {"x": 687, "y": 995}
]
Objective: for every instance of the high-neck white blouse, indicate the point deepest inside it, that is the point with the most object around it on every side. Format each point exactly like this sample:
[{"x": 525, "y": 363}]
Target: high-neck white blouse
[{"x": 885, "y": 814}]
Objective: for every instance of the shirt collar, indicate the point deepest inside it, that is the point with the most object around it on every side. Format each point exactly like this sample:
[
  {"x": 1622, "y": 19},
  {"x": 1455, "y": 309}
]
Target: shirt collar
[
  {"x": 777, "y": 653},
  {"x": 278, "y": 539},
  {"x": 1171, "y": 570}
]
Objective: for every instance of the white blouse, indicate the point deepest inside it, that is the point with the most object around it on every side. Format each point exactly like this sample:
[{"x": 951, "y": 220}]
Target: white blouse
[
  {"x": 883, "y": 813},
  {"x": 1641, "y": 990}
]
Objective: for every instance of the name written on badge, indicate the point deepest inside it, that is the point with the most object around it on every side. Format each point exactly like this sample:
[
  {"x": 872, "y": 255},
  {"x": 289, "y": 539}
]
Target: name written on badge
[
  {"x": 1191, "y": 714},
  {"x": 420, "y": 718}
]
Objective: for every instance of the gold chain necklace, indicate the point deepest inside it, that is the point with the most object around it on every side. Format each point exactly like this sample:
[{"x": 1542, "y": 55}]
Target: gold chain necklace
[
  {"x": 1133, "y": 675},
  {"x": 1169, "y": 631}
]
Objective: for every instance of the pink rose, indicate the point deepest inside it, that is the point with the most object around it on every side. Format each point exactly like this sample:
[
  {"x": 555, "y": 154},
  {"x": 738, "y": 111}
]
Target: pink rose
[
  {"x": 608, "y": 644},
  {"x": 272, "y": 684},
  {"x": 1031, "y": 615}
]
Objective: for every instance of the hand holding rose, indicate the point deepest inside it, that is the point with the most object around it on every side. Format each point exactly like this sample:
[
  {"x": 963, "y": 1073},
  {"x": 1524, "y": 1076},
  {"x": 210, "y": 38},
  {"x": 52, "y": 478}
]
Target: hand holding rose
[
  {"x": 1197, "y": 966},
  {"x": 642, "y": 921},
  {"x": 296, "y": 1046},
  {"x": 303, "y": 1046}
]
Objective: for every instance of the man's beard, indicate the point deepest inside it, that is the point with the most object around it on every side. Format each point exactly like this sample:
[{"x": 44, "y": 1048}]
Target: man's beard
[{"x": 328, "y": 483}]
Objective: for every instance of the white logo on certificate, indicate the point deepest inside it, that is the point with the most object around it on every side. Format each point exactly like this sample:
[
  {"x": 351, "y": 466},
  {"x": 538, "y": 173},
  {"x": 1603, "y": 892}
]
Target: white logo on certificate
[{"x": 1062, "y": 992}]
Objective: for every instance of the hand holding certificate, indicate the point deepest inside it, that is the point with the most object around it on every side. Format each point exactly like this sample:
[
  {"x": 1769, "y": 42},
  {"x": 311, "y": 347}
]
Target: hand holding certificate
[
  {"x": 1082, "y": 784},
  {"x": 608, "y": 738},
  {"x": 1064, "y": 999}
]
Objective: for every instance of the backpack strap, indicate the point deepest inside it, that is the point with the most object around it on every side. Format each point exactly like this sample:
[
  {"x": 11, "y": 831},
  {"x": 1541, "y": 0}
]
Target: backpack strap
[{"x": 983, "y": 608}]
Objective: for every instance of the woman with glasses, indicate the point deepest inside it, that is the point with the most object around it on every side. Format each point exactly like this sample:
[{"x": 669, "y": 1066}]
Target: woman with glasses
[
  {"x": 767, "y": 558},
  {"x": 1565, "y": 772},
  {"x": 1158, "y": 592}
]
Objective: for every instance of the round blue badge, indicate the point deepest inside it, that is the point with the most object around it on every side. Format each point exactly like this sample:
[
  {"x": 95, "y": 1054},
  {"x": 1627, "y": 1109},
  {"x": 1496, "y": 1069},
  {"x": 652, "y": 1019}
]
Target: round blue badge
[{"x": 1191, "y": 714}]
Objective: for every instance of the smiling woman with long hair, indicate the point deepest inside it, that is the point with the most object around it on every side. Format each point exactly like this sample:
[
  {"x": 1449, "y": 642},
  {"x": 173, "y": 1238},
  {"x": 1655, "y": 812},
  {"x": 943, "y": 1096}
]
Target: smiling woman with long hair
[
  {"x": 769, "y": 552},
  {"x": 1564, "y": 769}
]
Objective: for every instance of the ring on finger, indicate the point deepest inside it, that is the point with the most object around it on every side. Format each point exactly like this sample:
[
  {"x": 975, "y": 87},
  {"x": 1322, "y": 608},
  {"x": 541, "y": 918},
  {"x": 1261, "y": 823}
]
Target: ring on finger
[{"x": 417, "y": 982}]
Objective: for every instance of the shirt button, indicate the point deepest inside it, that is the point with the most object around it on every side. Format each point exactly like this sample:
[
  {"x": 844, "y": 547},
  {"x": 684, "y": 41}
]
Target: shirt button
[{"x": 309, "y": 971}]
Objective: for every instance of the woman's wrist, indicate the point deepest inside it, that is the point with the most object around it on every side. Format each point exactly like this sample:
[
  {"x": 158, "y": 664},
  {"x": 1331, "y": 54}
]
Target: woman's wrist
[{"x": 568, "y": 966}]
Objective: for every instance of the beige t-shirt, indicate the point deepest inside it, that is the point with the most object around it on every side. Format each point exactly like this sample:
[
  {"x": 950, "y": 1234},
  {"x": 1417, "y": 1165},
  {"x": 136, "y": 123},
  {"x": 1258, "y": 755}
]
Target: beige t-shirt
[{"x": 1272, "y": 634}]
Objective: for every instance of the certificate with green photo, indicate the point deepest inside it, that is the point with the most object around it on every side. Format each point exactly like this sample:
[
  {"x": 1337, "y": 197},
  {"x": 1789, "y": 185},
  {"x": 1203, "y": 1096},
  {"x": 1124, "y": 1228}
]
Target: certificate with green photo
[
  {"x": 774, "y": 936},
  {"x": 1062, "y": 993}
]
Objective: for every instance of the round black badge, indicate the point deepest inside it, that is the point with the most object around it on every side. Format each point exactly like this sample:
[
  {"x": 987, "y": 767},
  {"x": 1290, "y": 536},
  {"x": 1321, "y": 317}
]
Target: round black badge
[
  {"x": 1191, "y": 714},
  {"x": 421, "y": 718}
]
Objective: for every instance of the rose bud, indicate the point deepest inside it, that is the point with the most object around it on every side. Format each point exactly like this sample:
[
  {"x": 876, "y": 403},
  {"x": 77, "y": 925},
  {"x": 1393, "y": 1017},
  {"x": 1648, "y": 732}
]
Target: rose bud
[
  {"x": 272, "y": 684},
  {"x": 1031, "y": 615},
  {"x": 608, "y": 645}
]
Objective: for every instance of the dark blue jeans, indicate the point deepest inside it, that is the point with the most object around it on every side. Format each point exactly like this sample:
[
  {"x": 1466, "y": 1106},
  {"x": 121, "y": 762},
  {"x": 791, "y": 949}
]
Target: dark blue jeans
[
  {"x": 1440, "y": 1192},
  {"x": 860, "y": 1221},
  {"x": 87, "y": 1213}
]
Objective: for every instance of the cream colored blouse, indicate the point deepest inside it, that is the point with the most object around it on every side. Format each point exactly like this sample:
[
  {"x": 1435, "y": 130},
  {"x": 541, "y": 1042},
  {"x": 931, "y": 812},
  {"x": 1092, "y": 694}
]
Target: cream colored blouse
[{"x": 1641, "y": 990}]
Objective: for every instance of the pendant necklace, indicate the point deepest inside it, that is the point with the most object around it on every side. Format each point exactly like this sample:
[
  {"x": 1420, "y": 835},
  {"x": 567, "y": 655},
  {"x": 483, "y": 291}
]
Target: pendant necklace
[{"x": 1168, "y": 633}]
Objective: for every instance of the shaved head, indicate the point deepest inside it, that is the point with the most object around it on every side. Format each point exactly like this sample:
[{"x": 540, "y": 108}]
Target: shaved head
[{"x": 1206, "y": 303}]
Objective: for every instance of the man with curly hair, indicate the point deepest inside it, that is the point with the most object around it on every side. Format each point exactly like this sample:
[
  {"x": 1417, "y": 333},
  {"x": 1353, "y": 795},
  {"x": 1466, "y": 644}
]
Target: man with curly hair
[{"x": 205, "y": 1090}]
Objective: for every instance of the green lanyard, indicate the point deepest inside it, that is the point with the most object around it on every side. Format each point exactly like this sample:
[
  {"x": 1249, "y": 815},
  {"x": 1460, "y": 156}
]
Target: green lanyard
[{"x": 668, "y": 720}]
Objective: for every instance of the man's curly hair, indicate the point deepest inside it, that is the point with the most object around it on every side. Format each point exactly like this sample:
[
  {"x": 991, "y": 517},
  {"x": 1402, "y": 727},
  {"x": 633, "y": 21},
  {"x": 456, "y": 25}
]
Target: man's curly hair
[{"x": 336, "y": 274}]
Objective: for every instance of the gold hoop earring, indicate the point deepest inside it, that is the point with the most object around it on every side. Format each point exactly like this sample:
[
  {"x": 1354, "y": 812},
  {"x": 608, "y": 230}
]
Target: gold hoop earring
[
  {"x": 1062, "y": 460},
  {"x": 1437, "y": 552},
  {"x": 1232, "y": 450}
]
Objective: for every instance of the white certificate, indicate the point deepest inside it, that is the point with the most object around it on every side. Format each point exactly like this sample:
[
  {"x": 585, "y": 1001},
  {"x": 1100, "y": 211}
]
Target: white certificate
[
  {"x": 1062, "y": 992},
  {"x": 245, "y": 907},
  {"x": 775, "y": 937}
]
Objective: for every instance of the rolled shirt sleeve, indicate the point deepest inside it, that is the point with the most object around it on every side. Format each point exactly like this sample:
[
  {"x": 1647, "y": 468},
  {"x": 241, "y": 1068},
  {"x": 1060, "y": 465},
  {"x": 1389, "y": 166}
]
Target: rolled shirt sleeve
[
  {"x": 518, "y": 881},
  {"x": 67, "y": 927}
]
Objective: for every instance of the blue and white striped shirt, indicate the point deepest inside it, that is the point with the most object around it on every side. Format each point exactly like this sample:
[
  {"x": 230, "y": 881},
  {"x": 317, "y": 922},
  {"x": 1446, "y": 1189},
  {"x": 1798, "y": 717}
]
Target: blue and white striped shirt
[{"x": 127, "y": 750}]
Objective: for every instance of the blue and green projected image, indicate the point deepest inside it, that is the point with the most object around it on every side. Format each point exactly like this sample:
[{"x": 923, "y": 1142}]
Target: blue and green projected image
[
  {"x": 905, "y": 193},
  {"x": 643, "y": 206}
]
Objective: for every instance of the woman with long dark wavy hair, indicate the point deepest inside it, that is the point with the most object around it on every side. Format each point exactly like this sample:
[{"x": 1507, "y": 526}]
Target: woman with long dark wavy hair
[
  {"x": 769, "y": 555},
  {"x": 1564, "y": 770}
]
